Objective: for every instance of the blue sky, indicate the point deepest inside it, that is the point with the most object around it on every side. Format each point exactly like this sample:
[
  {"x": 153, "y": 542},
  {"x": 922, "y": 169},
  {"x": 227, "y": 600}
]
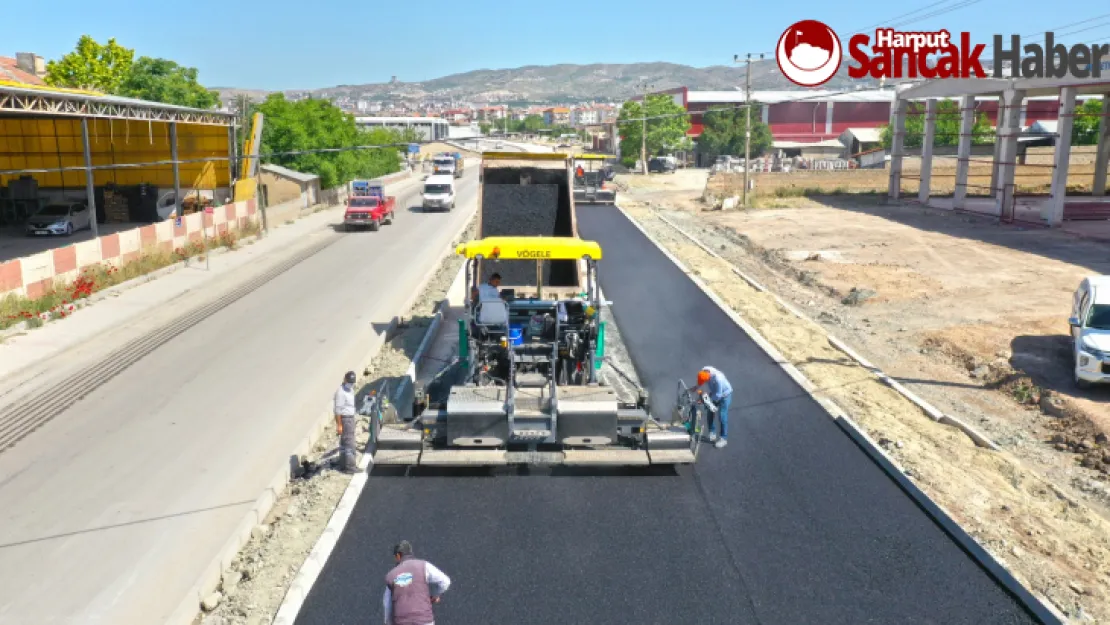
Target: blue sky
[{"x": 289, "y": 44}]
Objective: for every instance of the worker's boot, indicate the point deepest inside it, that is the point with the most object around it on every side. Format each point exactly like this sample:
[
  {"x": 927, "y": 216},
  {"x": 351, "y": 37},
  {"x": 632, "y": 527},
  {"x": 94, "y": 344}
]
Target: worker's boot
[
  {"x": 712, "y": 437},
  {"x": 721, "y": 443}
]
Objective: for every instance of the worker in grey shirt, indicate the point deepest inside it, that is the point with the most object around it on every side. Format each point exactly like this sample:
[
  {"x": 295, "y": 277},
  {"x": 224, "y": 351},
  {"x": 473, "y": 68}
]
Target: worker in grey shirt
[
  {"x": 345, "y": 423},
  {"x": 409, "y": 593}
]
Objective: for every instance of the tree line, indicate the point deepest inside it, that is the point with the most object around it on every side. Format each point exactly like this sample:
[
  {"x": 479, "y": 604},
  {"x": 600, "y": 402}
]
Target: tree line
[{"x": 288, "y": 126}]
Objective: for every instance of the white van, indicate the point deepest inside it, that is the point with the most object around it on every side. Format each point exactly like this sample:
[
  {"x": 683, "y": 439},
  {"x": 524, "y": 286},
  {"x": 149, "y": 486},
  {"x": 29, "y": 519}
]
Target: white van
[
  {"x": 439, "y": 192},
  {"x": 1090, "y": 331}
]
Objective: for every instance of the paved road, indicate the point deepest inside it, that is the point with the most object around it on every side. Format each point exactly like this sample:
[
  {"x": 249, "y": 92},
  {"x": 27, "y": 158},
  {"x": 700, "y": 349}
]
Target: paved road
[
  {"x": 109, "y": 513},
  {"x": 789, "y": 524}
]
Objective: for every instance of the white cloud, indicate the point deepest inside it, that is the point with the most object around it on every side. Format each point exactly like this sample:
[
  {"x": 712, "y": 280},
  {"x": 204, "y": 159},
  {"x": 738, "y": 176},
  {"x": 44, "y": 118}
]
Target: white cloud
[{"x": 806, "y": 56}]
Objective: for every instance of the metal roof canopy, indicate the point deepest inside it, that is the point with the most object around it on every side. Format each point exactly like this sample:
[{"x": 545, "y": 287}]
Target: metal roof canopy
[
  {"x": 953, "y": 87},
  {"x": 47, "y": 102}
]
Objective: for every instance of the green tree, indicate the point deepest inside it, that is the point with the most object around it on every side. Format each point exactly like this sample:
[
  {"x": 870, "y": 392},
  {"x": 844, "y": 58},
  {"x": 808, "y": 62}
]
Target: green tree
[
  {"x": 162, "y": 80},
  {"x": 91, "y": 66},
  {"x": 667, "y": 124},
  {"x": 484, "y": 127},
  {"x": 724, "y": 128},
  {"x": 948, "y": 126},
  {"x": 532, "y": 123},
  {"x": 317, "y": 124},
  {"x": 1084, "y": 130}
]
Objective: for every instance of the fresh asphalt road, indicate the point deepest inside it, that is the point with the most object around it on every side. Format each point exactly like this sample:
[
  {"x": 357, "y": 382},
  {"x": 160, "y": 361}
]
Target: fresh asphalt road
[
  {"x": 109, "y": 512},
  {"x": 791, "y": 523}
]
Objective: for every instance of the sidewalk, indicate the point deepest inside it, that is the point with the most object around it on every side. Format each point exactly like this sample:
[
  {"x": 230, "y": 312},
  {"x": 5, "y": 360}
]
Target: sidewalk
[{"x": 114, "y": 314}]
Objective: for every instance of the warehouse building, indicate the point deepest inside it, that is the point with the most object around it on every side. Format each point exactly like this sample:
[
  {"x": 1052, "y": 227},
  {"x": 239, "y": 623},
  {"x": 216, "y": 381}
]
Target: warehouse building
[{"x": 427, "y": 128}]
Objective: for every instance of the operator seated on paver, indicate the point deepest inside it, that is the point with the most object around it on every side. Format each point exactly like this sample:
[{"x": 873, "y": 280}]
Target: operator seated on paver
[
  {"x": 409, "y": 593},
  {"x": 720, "y": 397}
]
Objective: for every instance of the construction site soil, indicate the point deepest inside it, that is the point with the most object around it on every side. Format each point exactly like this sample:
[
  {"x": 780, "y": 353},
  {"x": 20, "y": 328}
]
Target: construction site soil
[{"x": 968, "y": 314}]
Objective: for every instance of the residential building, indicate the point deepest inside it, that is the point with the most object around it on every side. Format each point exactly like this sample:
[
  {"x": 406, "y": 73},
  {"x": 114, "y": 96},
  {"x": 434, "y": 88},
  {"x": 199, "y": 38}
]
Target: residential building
[
  {"x": 585, "y": 116},
  {"x": 26, "y": 68},
  {"x": 557, "y": 116},
  {"x": 428, "y": 128}
]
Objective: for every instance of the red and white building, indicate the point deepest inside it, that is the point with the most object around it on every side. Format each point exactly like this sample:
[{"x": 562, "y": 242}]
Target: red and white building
[{"x": 810, "y": 122}]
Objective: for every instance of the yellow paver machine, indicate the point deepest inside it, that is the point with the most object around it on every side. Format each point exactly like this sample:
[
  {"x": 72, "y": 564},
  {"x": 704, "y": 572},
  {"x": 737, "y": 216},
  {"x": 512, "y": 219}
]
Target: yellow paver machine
[
  {"x": 525, "y": 386},
  {"x": 592, "y": 180}
]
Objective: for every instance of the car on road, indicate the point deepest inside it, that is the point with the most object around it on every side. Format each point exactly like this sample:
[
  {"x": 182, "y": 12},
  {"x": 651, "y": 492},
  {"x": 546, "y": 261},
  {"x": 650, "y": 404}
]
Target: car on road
[
  {"x": 63, "y": 218},
  {"x": 439, "y": 193},
  {"x": 1090, "y": 331},
  {"x": 661, "y": 165}
]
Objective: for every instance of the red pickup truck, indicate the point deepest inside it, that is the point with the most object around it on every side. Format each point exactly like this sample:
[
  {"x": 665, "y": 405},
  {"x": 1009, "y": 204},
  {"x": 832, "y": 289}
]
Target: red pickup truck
[{"x": 368, "y": 206}]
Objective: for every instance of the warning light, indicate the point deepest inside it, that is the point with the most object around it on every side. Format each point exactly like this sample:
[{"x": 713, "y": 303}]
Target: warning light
[{"x": 495, "y": 253}]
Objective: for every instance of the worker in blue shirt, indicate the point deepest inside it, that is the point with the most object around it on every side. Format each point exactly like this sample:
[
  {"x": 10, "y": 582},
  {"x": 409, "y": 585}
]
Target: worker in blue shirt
[{"x": 719, "y": 392}]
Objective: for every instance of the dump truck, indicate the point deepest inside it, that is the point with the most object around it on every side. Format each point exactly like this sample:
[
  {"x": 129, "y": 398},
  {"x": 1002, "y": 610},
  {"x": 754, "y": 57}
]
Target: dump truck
[
  {"x": 525, "y": 388},
  {"x": 590, "y": 177}
]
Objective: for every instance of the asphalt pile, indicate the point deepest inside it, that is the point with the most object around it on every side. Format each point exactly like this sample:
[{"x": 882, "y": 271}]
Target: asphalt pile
[{"x": 526, "y": 210}]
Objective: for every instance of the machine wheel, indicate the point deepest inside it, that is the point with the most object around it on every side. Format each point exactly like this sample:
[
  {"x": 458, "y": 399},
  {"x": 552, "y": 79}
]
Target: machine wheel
[
  {"x": 388, "y": 220},
  {"x": 69, "y": 229},
  {"x": 375, "y": 225}
]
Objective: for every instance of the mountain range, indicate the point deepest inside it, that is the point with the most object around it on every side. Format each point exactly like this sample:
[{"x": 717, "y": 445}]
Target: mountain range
[{"x": 550, "y": 84}]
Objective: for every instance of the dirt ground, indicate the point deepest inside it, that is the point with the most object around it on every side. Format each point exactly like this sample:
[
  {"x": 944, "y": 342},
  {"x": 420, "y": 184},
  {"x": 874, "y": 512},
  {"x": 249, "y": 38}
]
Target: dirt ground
[
  {"x": 905, "y": 287},
  {"x": 252, "y": 593},
  {"x": 1033, "y": 177}
]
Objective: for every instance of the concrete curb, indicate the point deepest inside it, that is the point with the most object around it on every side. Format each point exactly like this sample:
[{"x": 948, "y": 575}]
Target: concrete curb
[
  {"x": 310, "y": 570},
  {"x": 931, "y": 411},
  {"x": 1032, "y": 603}
]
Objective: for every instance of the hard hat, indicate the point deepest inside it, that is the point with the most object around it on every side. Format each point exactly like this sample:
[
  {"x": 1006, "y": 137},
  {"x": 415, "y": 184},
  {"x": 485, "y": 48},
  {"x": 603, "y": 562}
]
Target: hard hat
[
  {"x": 703, "y": 377},
  {"x": 350, "y": 377}
]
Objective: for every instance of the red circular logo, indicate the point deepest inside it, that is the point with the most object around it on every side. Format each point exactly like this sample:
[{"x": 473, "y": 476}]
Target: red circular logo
[{"x": 809, "y": 53}]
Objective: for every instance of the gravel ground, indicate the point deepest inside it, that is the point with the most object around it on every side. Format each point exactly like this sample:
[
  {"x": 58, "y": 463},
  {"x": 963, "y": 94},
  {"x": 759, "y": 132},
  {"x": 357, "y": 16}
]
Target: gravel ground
[
  {"x": 1054, "y": 542},
  {"x": 252, "y": 593}
]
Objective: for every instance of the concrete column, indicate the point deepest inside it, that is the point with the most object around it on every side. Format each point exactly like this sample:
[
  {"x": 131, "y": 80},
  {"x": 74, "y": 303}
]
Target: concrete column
[
  {"x": 897, "y": 141},
  {"x": 1007, "y": 153},
  {"x": 1102, "y": 155},
  {"x": 1001, "y": 118},
  {"x": 766, "y": 113},
  {"x": 829, "y": 118},
  {"x": 927, "y": 150},
  {"x": 176, "y": 170},
  {"x": 1053, "y": 211},
  {"x": 232, "y": 134},
  {"x": 90, "y": 182},
  {"x": 963, "y": 159}
]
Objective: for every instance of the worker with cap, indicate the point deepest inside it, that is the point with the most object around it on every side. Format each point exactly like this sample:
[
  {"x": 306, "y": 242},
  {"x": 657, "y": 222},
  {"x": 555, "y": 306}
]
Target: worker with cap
[
  {"x": 411, "y": 588},
  {"x": 720, "y": 396},
  {"x": 345, "y": 423}
]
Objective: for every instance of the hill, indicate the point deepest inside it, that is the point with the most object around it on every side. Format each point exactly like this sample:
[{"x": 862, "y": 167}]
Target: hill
[{"x": 572, "y": 83}]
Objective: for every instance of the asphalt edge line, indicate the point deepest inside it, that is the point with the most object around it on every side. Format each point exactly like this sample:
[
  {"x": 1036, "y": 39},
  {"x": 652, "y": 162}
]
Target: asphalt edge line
[
  {"x": 1032, "y": 603},
  {"x": 931, "y": 411},
  {"x": 209, "y": 581},
  {"x": 313, "y": 565}
]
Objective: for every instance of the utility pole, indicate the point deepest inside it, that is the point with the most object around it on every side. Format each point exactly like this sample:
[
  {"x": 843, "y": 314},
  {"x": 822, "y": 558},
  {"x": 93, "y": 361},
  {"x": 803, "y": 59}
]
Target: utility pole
[
  {"x": 748, "y": 125},
  {"x": 643, "y": 130}
]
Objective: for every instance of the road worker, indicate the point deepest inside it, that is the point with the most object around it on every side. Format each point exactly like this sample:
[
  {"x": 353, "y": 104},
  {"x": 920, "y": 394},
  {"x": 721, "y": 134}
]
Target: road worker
[
  {"x": 715, "y": 386},
  {"x": 411, "y": 588},
  {"x": 345, "y": 423},
  {"x": 491, "y": 290}
]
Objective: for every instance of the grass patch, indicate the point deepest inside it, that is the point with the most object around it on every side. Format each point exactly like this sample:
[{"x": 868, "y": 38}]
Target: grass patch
[{"x": 64, "y": 298}]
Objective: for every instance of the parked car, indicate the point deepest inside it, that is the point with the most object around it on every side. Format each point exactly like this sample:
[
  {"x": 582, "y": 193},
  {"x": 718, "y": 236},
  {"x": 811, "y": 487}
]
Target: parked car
[
  {"x": 63, "y": 218},
  {"x": 661, "y": 165},
  {"x": 1090, "y": 331}
]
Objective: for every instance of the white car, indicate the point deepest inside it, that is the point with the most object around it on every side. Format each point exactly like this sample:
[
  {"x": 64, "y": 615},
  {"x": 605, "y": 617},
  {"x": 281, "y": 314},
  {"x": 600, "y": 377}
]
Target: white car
[
  {"x": 1090, "y": 331},
  {"x": 439, "y": 192},
  {"x": 62, "y": 218}
]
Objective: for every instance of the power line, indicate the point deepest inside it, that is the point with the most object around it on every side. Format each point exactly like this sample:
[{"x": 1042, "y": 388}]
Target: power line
[{"x": 1055, "y": 28}]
